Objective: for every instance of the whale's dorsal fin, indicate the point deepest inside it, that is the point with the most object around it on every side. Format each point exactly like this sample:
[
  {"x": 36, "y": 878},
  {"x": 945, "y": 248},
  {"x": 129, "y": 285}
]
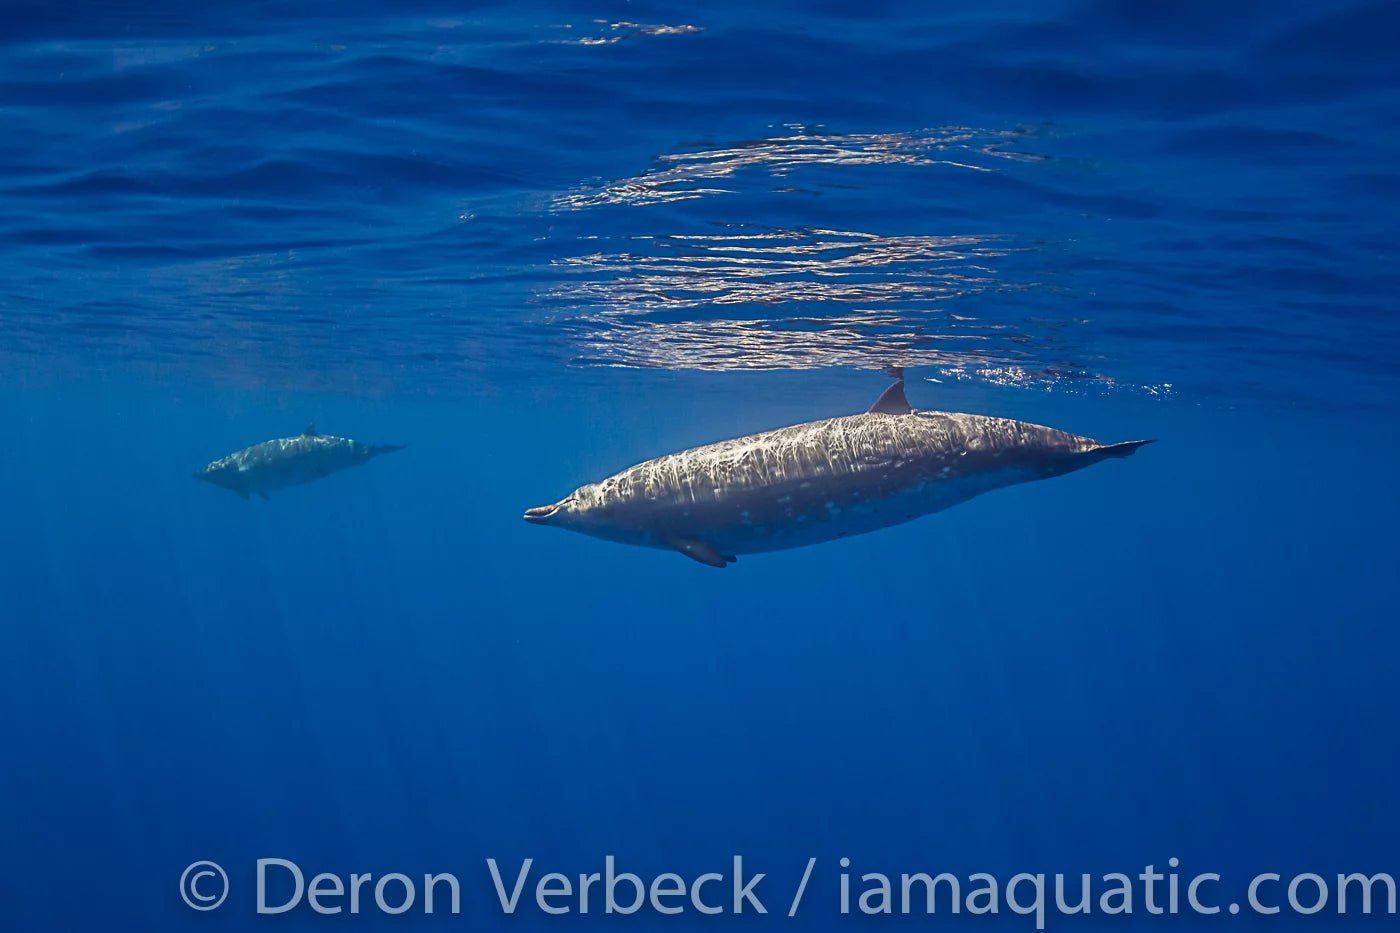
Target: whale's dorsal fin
[
  {"x": 310, "y": 429},
  {"x": 892, "y": 402}
]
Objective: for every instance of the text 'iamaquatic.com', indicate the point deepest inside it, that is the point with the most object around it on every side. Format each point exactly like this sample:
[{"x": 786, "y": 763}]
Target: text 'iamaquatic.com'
[{"x": 280, "y": 886}]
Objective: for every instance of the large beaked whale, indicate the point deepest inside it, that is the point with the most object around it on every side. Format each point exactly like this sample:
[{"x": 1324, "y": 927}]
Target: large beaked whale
[
  {"x": 287, "y": 461},
  {"x": 819, "y": 481}
]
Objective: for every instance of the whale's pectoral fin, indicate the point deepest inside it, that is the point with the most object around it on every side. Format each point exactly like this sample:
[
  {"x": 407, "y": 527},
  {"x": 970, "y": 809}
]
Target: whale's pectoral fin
[
  {"x": 310, "y": 430},
  {"x": 242, "y": 494},
  {"x": 264, "y": 494},
  {"x": 704, "y": 553},
  {"x": 892, "y": 402}
]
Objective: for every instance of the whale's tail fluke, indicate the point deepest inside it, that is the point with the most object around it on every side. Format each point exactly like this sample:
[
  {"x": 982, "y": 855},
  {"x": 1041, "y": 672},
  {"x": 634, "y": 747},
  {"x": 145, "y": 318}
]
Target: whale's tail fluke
[{"x": 1123, "y": 449}]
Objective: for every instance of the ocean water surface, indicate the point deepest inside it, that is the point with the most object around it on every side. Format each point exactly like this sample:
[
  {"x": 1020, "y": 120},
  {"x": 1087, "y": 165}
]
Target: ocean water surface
[{"x": 539, "y": 242}]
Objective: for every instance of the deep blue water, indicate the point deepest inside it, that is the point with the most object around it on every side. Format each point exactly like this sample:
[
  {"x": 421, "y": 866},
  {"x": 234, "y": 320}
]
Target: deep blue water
[{"x": 538, "y": 242}]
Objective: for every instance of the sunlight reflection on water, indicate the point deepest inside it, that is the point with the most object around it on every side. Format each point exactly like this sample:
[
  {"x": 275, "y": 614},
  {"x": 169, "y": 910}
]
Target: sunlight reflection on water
[
  {"x": 688, "y": 175},
  {"x": 759, "y": 297}
]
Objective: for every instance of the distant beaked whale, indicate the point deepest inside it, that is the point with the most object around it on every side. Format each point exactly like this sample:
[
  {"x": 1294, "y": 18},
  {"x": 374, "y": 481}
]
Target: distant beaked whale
[
  {"x": 819, "y": 481},
  {"x": 287, "y": 461}
]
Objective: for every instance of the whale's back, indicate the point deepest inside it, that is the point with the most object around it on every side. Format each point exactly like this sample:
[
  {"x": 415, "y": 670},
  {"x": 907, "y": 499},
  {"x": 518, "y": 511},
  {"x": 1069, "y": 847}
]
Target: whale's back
[{"x": 878, "y": 449}]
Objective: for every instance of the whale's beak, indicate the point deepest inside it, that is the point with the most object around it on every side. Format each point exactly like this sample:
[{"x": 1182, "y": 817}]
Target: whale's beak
[{"x": 541, "y": 514}]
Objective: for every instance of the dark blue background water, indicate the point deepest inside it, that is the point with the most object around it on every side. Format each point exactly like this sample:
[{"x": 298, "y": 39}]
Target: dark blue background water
[{"x": 539, "y": 242}]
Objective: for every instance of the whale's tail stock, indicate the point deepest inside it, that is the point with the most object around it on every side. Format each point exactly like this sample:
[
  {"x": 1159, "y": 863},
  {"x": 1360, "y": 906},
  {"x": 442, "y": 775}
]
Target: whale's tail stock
[{"x": 1113, "y": 451}]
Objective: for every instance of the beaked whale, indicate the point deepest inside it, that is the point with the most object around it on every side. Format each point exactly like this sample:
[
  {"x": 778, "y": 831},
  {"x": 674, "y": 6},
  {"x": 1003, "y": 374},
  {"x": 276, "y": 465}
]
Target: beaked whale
[
  {"x": 286, "y": 461},
  {"x": 819, "y": 481}
]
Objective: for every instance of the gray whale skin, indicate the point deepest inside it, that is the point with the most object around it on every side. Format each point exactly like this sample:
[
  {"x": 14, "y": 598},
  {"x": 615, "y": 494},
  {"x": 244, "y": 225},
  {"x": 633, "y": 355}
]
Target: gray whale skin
[
  {"x": 287, "y": 461},
  {"x": 818, "y": 481}
]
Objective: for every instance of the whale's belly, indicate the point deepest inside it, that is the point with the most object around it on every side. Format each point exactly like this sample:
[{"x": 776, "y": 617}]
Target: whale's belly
[
  {"x": 277, "y": 469},
  {"x": 825, "y": 512}
]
